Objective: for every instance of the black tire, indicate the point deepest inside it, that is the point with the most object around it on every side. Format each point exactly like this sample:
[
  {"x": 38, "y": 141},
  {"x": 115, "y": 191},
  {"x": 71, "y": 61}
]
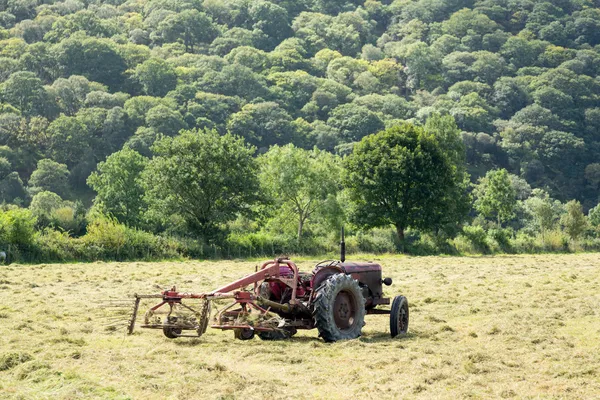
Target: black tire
[
  {"x": 399, "y": 316},
  {"x": 169, "y": 331},
  {"x": 243, "y": 334},
  {"x": 339, "y": 308},
  {"x": 281, "y": 334}
]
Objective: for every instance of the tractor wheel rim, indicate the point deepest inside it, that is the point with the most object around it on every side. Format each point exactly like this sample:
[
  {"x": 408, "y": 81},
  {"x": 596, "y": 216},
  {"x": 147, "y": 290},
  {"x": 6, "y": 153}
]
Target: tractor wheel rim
[
  {"x": 402, "y": 320},
  {"x": 344, "y": 310}
]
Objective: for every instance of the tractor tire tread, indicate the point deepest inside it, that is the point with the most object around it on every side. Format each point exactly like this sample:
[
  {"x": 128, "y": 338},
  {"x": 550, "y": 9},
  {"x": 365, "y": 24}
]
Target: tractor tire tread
[
  {"x": 398, "y": 303},
  {"x": 323, "y": 308}
]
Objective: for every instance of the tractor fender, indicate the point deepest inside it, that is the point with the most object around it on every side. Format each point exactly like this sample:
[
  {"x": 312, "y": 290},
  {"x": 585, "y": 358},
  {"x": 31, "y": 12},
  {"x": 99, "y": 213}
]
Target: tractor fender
[{"x": 321, "y": 275}]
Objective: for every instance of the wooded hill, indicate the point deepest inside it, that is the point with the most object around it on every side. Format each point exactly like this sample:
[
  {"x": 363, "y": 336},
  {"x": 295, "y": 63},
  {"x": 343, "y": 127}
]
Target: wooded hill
[{"x": 82, "y": 80}]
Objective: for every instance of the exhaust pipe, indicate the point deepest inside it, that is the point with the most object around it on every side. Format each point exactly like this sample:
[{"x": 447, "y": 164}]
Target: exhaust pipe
[{"x": 342, "y": 247}]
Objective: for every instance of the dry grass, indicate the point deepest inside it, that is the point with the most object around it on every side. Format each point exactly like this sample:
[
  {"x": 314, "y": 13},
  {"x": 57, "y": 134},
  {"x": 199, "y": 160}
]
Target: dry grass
[{"x": 503, "y": 327}]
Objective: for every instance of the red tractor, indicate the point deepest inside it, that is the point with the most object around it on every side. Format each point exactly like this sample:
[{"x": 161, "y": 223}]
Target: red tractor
[{"x": 277, "y": 300}]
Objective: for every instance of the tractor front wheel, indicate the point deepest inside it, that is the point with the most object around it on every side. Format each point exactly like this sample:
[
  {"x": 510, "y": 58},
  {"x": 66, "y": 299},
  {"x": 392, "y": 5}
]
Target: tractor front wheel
[
  {"x": 339, "y": 308},
  {"x": 399, "y": 316}
]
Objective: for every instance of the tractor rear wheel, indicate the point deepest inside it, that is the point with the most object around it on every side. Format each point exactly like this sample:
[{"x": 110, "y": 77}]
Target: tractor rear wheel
[
  {"x": 339, "y": 308},
  {"x": 281, "y": 334},
  {"x": 399, "y": 316}
]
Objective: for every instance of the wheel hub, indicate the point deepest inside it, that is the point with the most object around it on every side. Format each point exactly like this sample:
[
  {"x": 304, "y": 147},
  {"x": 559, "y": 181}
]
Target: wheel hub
[{"x": 344, "y": 310}]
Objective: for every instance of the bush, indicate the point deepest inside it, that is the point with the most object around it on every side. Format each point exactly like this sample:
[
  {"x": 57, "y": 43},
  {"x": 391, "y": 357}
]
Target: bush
[
  {"x": 525, "y": 244},
  {"x": 554, "y": 241},
  {"x": 473, "y": 239},
  {"x": 501, "y": 240},
  {"x": 17, "y": 228},
  {"x": 377, "y": 241}
]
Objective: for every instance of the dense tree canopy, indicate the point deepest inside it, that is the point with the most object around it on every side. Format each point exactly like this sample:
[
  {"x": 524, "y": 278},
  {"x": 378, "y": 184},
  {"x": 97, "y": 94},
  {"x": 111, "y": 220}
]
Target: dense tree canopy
[{"x": 508, "y": 85}]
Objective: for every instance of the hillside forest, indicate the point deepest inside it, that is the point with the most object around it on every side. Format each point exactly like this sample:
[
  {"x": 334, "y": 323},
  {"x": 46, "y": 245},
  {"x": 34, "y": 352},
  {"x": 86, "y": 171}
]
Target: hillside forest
[{"x": 158, "y": 128}]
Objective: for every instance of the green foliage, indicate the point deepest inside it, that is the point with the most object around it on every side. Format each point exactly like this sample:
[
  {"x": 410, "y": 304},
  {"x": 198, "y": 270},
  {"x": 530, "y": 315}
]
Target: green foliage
[
  {"x": 505, "y": 85},
  {"x": 574, "y": 221},
  {"x": 204, "y": 178},
  {"x": 17, "y": 228},
  {"x": 50, "y": 176},
  {"x": 495, "y": 196},
  {"x": 156, "y": 77},
  {"x": 384, "y": 172},
  {"x": 473, "y": 239},
  {"x": 300, "y": 180},
  {"x": 119, "y": 187}
]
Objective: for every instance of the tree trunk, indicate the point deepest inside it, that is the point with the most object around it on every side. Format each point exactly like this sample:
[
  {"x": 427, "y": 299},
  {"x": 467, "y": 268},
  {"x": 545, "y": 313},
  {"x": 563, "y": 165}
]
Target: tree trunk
[
  {"x": 300, "y": 227},
  {"x": 400, "y": 233}
]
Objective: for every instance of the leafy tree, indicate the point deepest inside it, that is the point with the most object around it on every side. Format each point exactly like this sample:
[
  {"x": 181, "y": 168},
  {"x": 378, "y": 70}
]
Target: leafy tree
[
  {"x": 262, "y": 124},
  {"x": 43, "y": 204},
  {"x": 25, "y": 91},
  {"x": 594, "y": 217},
  {"x": 50, "y": 176},
  {"x": 68, "y": 140},
  {"x": 574, "y": 221},
  {"x": 71, "y": 93},
  {"x": 156, "y": 76},
  {"x": 495, "y": 197},
  {"x": 17, "y": 228},
  {"x": 165, "y": 120},
  {"x": 190, "y": 26},
  {"x": 399, "y": 177},
  {"x": 456, "y": 199},
  {"x": 202, "y": 177},
  {"x": 12, "y": 189},
  {"x": 299, "y": 180},
  {"x": 119, "y": 187},
  {"x": 97, "y": 59},
  {"x": 355, "y": 122},
  {"x": 544, "y": 212}
]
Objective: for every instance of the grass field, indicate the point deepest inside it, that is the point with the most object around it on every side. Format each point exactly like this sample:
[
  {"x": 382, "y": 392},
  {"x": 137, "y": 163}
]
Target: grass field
[{"x": 501, "y": 327}]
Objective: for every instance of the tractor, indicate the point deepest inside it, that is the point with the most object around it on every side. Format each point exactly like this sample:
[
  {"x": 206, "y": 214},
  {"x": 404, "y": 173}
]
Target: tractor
[{"x": 277, "y": 300}]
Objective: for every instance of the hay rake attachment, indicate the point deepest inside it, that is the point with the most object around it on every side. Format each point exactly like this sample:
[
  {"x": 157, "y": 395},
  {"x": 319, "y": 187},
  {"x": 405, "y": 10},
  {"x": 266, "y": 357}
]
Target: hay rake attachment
[{"x": 245, "y": 314}]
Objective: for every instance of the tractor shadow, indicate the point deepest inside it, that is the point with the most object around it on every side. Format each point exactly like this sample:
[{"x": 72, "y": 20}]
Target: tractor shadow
[{"x": 385, "y": 337}]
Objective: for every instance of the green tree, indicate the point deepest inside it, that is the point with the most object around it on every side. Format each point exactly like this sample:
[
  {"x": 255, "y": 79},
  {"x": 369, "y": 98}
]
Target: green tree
[
  {"x": 355, "y": 122},
  {"x": 119, "y": 187},
  {"x": 457, "y": 200},
  {"x": 262, "y": 124},
  {"x": 399, "y": 177},
  {"x": 574, "y": 220},
  {"x": 50, "y": 176},
  {"x": 495, "y": 196},
  {"x": 298, "y": 179},
  {"x": 202, "y": 177},
  {"x": 165, "y": 120},
  {"x": 543, "y": 211},
  {"x": 190, "y": 27},
  {"x": 98, "y": 60},
  {"x": 594, "y": 217},
  {"x": 25, "y": 91},
  {"x": 156, "y": 76},
  {"x": 68, "y": 140}
]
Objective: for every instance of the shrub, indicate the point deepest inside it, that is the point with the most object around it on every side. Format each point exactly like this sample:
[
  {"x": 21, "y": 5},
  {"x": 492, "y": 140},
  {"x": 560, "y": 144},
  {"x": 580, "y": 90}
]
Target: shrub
[
  {"x": 501, "y": 239},
  {"x": 17, "y": 227},
  {"x": 525, "y": 244},
  {"x": 554, "y": 241},
  {"x": 473, "y": 239},
  {"x": 376, "y": 241}
]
